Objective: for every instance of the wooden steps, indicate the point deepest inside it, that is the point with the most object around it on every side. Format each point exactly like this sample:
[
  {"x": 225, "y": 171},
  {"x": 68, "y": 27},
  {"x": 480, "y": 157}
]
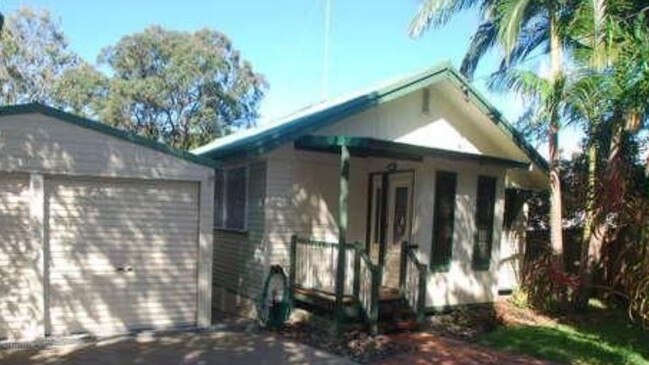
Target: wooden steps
[
  {"x": 394, "y": 313},
  {"x": 323, "y": 303}
]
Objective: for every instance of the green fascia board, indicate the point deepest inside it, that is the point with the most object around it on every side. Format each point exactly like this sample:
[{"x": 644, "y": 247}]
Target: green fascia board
[
  {"x": 364, "y": 146},
  {"x": 274, "y": 137},
  {"x": 37, "y": 108}
]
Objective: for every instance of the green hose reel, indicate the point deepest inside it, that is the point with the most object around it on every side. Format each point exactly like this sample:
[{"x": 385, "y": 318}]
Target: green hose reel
[{"x": 274, "y": 305}]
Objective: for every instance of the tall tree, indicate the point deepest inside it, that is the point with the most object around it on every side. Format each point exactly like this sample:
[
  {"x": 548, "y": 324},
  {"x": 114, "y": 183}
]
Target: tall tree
[
  {"x": 598, "y": 33},
  {"x": 519, "y": 27},
  {"x": 33, "y": 55},
  {"x": 178, "y": 87}
]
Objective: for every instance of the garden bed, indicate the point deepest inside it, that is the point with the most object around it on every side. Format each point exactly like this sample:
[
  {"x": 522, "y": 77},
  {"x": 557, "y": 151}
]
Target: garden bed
[{"x": 354, "y": 343}]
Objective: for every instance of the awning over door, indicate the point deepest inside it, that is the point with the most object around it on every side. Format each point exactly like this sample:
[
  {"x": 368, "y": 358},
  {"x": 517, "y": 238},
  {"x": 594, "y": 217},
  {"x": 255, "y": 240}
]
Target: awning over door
[{"x": 366, "y": 147}]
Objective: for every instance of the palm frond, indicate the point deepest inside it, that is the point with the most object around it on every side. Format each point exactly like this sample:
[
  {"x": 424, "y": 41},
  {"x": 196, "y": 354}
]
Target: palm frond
[
  {"x": 533, "y": 36},
  {"x": 436, "y": 13},
  {"x": 484, "y": 39},
  {"x": 532, "y": 124},
  {"x": 511, "y": 14},
  {"x": 525, "y": 83}
]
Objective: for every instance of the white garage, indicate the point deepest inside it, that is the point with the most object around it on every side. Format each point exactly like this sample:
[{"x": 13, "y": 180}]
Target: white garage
[{"x": 101, "y": 232}]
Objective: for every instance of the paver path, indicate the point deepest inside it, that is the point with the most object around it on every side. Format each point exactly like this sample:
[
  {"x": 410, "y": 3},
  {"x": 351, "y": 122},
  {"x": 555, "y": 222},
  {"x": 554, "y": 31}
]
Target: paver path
[
  {"x": 196, "y": 348},
  {"x": 432, "y": 349}
]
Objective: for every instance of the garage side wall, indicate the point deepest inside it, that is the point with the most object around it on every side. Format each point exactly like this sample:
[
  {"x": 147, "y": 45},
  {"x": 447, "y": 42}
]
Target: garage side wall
[{"x": 36, "y": 149}]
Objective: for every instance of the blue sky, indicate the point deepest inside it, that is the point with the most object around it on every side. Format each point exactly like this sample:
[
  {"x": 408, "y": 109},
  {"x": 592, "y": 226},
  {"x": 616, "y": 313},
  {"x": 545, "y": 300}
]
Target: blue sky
[{"x": 283, "y": 39}]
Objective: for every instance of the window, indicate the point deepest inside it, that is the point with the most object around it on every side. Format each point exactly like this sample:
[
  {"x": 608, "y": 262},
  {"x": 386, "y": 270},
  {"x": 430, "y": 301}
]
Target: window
[
  {"x": 442, "y": 245},
  {"x": 484, "y": 218},
  {"x": 230, "y": 198}
]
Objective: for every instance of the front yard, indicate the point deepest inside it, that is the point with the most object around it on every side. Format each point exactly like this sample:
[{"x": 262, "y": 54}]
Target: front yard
[
  {"x": 499, "y": 334},
  {"x": 602, "y": 336}
]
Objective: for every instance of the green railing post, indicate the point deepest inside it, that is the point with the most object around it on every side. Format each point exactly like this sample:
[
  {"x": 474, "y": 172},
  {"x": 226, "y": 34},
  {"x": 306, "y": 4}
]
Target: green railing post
[
  {"x": 374, "y": 299},
  {"x": 292, "y": 268},
  {"x": 421, "y": 299},
  {"x": 357, "y": 270},
  {"x": 342, "y": 232},
  {"x": 402, "y": 266}
]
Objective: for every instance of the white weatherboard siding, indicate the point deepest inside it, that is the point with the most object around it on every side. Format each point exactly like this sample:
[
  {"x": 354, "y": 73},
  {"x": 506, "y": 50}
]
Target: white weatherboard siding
[
  {"x": 83, "y": 204},
  {"x": 452, "y": 123},
  {"x": 149, "y": 229},
  {"x": 461, "y": 284},
  {"x": 513, "y": 251},
  {"x": 444, "y": 126},
  {"x": 20, "y": 281}
]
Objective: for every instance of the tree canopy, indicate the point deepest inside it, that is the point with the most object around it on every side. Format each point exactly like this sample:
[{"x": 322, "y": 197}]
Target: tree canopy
[
  {"x": 34, "y": 55},
  {"x": 181, "y": 88},
  {"x": 599, "y": 80}
]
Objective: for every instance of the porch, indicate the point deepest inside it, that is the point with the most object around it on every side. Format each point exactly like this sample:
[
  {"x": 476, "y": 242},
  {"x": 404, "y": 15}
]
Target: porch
[
  {"x": 383, "y": 274},
  {"x": 314, "y": 276}
]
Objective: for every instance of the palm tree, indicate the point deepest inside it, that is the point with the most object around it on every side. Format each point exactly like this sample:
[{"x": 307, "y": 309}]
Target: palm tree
[
  {"x": 519, "y": 27},
  {"x": 599, "y": 28}
]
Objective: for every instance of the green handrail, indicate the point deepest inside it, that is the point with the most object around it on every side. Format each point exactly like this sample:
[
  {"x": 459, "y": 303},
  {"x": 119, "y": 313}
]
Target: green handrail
[{"x": 409, "y": 253}]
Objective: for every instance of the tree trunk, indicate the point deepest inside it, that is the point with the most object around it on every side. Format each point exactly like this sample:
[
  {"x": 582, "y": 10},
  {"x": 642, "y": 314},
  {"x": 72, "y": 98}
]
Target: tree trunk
[
  {"x": 590, "y": 243},
  {"x": 556, "y": 239},
  {"x": 591, "y": 254}
]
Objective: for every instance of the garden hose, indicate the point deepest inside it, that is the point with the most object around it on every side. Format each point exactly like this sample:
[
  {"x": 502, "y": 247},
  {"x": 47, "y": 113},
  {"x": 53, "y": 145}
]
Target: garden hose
[{"x": 273, "y": 306}]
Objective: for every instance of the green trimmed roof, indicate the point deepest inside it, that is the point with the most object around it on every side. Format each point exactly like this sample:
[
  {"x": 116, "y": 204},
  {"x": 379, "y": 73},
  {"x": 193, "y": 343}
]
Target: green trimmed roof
[
  {"x": 304, "y": 122},
  {"x": 105, "y": 129}
]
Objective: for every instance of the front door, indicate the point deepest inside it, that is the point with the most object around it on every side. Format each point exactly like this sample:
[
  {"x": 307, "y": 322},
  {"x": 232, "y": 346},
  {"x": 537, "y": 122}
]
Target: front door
[
  {"x": 398, "y": 225},
  {"x": 391, "y": 217}
]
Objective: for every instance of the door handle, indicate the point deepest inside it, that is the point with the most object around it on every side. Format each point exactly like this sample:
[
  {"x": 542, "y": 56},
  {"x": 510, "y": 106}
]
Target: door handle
[{"x": 123, "y": 269}]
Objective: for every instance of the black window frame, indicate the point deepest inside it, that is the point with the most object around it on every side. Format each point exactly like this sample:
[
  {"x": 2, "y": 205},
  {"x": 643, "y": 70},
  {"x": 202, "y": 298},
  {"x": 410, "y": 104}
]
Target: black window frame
[
  {"x": 485, "y": 216},
  {"x": 441, "y": 253}
]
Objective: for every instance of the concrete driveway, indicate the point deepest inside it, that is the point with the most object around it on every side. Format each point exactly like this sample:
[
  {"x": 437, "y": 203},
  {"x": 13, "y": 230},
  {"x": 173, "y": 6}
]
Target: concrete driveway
[{"x": 216, "y": 347}]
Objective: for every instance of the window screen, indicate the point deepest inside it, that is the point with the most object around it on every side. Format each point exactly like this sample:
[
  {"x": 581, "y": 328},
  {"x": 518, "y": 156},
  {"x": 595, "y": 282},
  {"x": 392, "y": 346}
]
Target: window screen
[{"x": 235, "y": 198}]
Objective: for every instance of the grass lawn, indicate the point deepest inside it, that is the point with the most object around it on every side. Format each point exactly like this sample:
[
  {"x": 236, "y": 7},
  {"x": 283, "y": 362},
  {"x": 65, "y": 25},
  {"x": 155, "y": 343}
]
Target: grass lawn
[{"x": 600, "y": 337}]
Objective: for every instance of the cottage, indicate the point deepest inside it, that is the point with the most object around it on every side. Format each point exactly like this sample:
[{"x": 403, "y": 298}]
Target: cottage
[{"x": 409, "y": 191}]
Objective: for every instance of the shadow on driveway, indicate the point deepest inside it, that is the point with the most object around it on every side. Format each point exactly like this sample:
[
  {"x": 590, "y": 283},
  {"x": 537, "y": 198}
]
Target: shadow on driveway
[{"x": 219, "y": 347}]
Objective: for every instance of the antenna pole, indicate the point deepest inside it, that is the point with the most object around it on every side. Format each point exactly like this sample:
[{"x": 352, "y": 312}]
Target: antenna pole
[{"x": 325, "y": 70}]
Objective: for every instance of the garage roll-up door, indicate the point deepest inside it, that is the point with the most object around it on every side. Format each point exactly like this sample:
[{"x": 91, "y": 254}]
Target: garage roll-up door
[
  {"x": 123, "y": 254},
  {"x": 19, "y": 261}
]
